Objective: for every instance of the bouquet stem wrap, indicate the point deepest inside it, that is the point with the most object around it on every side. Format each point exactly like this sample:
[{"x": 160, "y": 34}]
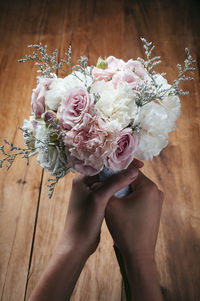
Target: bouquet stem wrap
[{"x": 105, "y": 174}]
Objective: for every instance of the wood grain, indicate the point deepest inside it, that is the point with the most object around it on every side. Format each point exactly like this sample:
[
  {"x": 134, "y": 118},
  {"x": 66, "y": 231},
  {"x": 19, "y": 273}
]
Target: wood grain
[{"x": 30, "y": 223}]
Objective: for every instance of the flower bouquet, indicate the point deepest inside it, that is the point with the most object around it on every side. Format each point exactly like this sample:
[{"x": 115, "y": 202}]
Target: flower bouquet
[{"x": 96, "y": 119}]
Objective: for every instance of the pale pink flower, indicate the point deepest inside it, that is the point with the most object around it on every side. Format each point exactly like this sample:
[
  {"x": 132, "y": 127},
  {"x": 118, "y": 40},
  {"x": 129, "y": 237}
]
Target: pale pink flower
[
  {"x": 123, "y": 153},
  {"x": 74, "y": 106},
  {"x": 115, "y": 64},
  {"x": 120, "y": 72},
  {"x": 38, "y": 96},
  {"x": 90, "y": 143},
  {"x": 136, "y": 67},
  {"x": 122, "y": 77},
  {"x": 102, "y": 74}
]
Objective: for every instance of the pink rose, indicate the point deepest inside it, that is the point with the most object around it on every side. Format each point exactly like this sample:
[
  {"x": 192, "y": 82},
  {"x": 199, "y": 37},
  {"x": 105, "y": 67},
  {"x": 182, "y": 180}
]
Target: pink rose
[
  {"x": 123, "y": 154},
  {"x": 74, "y": 106},
  {"x": 122, "y": 77},
  {"x": 38, "y": 96},
  {"x": 102, "y": 74}
]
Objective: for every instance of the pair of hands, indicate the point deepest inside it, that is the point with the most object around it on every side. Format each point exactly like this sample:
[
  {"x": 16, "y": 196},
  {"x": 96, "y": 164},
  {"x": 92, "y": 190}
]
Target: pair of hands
[{"x": 133, "y": 221}]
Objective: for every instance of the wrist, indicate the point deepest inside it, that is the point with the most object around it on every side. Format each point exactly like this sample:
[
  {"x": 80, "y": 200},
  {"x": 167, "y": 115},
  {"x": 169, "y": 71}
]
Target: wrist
[
  {"x": 77, "y": 248},
  {"x": 138, "y": 256},
  {"x": 141, "y": 267}
]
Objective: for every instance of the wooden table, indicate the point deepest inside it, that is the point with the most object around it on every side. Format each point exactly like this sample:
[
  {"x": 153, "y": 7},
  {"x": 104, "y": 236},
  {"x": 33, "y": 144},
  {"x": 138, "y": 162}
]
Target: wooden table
[{"x": 30, "y": 223}]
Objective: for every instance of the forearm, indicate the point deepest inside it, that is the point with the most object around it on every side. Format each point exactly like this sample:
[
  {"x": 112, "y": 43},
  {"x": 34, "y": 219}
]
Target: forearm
[
  {"x": 142, "y": 277},
  {"x": 60, "y": 276}
]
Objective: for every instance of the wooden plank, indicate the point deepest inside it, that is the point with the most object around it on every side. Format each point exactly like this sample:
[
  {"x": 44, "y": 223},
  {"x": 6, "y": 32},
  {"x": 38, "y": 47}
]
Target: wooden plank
[{"x": 20, "y": 187}]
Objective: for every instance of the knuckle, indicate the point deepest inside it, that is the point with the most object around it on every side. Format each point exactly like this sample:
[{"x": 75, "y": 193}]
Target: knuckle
[
  {"x": 111, "y": 205},
  {"x": 76, "y": 180}
]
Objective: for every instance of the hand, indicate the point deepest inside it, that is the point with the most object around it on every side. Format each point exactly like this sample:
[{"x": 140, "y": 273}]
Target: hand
[
  {"x": 134, "y": 220},
  {"x": 81, "y": 234},
  {"x": 87, "y": 204}
]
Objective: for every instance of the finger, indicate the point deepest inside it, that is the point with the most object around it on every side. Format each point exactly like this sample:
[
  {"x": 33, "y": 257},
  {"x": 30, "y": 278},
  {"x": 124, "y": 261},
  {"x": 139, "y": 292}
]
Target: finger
[
  {"x": 137, "y": 163},
  {"x": 140, "y": 182},
  {"x": 117, "y": 182},
  {"x": 135, "y": 184},
  {"x": 91, "y": 180},
  {"x": 95, "y": 186}
]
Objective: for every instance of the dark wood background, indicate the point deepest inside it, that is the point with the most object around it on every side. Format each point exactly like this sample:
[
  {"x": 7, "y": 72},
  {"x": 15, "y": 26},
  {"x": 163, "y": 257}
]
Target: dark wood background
[{"x": 30, "y": 223}]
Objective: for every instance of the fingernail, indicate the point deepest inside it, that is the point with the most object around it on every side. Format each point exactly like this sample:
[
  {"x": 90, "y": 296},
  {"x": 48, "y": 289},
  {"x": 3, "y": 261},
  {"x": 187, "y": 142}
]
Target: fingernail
[{"x": 140, "y": 164}]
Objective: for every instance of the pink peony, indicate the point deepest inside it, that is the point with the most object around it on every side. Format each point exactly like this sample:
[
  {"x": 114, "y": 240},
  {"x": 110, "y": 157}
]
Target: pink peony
[
  {"x": 38, "y": 96},
  {"x": 124, "y": 151},
  {"x": 74, "y": 106}
]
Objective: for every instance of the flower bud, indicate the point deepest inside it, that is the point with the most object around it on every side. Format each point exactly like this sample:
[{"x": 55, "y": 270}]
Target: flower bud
[{"x": 49, "y": 117}]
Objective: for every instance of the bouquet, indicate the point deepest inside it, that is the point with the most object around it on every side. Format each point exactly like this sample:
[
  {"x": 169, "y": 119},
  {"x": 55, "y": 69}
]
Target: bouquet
[{"x": 97, "y": 118}]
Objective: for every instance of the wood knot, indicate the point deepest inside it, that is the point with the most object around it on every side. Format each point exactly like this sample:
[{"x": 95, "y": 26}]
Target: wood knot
[{"x": 20, "y": 181}]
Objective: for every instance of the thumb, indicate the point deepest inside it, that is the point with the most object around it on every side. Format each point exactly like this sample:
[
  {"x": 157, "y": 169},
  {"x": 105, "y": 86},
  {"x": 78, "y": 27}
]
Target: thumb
[{"x": 117, "y": 182}]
